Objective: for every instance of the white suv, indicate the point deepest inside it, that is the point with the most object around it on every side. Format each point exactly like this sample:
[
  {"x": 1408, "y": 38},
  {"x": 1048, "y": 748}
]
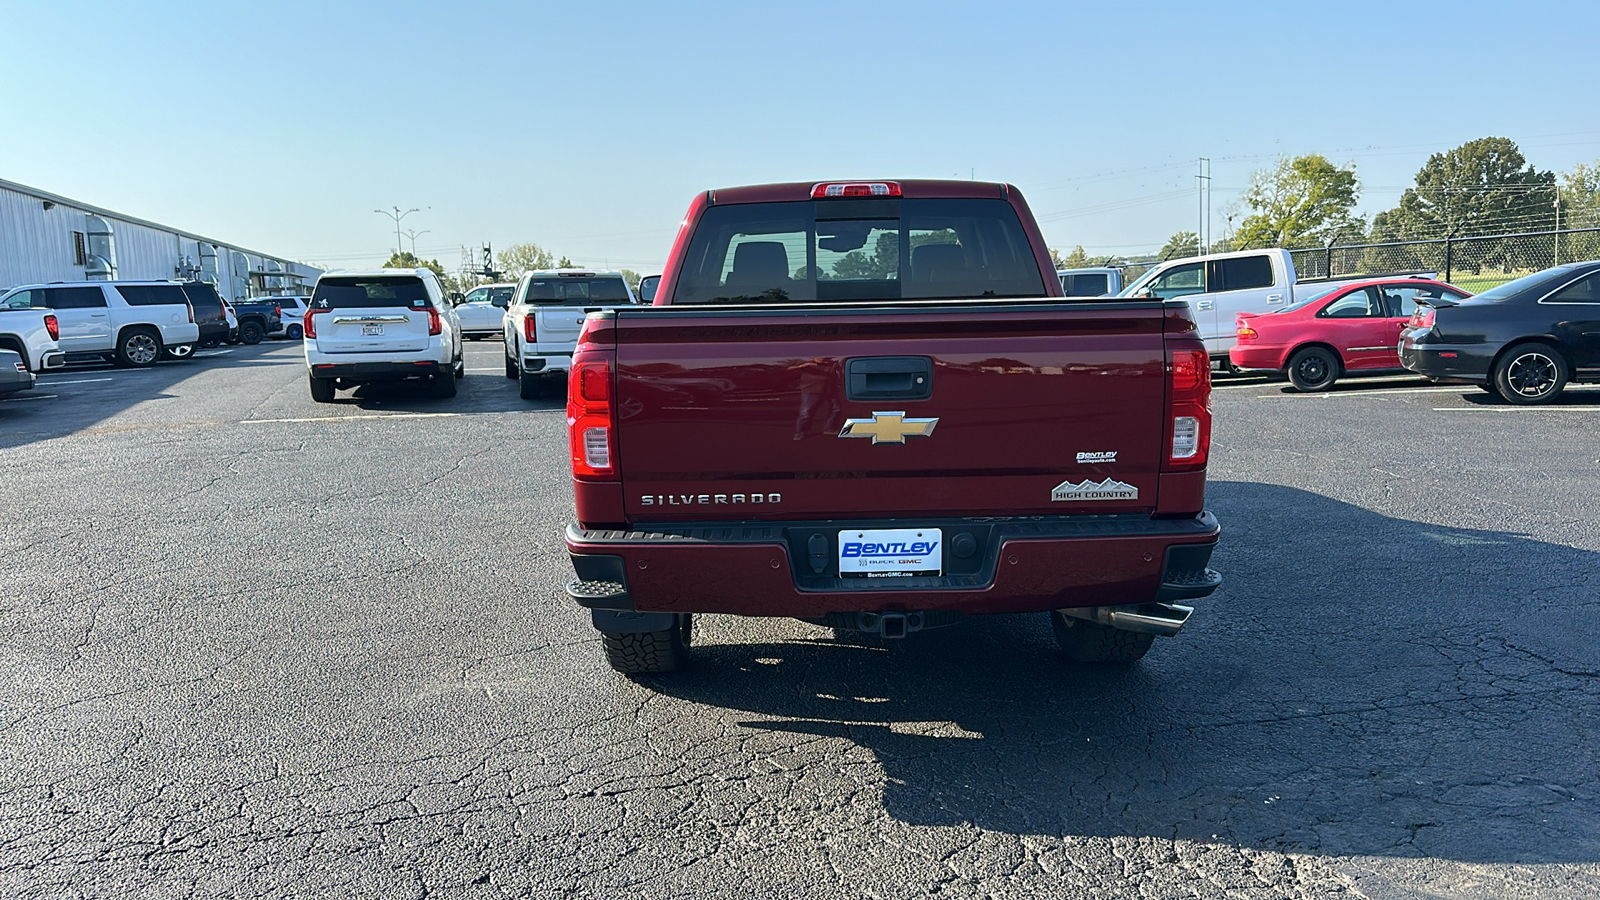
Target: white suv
[
  {"x": 291, "y": 317},
  {"x": 387, "y": 325},
  {"x": 128, "y": 322},
  {"x": 545, "y": 316}
]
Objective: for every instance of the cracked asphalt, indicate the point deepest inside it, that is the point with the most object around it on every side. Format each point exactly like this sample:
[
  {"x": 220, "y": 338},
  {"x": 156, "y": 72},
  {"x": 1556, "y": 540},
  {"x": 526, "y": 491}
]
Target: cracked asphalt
[{"x": 259, "y": 647}]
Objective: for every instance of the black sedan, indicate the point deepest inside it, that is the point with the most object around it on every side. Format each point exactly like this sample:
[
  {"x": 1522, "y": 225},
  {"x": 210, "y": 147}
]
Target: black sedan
[{"x": 1524, "y": 340}]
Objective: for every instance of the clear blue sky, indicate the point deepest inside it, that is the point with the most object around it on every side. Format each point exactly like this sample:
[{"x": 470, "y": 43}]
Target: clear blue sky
[{"x": 586, "y": 127}]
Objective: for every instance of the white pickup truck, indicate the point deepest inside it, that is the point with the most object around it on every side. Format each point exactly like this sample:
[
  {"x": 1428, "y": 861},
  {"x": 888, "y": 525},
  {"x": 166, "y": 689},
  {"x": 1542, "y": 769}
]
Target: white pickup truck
[
  {"x": 1221, "y": 285},
  {"x": 545, "y": 316},
  {"x": 129, "y": 323},
  {"x": 31, "y": 333}
]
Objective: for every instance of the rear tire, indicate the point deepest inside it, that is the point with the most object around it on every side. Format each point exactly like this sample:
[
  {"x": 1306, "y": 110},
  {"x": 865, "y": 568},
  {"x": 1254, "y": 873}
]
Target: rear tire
[
  {"x": 322, "y": 389},
  {"x": 461, "y": 368},
  {"x": 251, "y": 333},
  {"x": 1312, "y": 369},
  {"x": 1090, "y": 642},
  {"x": 531, "y": 386},
  {"x": 511, "y": 368},
  {"x": 296, "y": 332},
  {"x": 444, "y": 384},
  {"x": 138, "y": 348},
  {"x": 1531, "y": 373},
  {"x": 649, "y": 652}
]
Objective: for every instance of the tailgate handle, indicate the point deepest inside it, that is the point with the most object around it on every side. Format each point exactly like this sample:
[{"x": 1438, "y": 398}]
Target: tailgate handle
[{"x": 889, "y": 378}]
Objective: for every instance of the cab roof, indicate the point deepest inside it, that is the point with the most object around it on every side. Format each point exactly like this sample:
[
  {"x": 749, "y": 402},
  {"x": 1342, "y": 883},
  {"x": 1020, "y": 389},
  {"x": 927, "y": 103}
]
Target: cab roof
[{"x": 914, "y": 189}]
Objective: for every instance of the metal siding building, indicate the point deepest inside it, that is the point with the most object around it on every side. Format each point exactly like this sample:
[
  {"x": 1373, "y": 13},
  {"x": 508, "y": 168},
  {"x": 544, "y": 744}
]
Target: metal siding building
[{"x": 45, "y": 237}]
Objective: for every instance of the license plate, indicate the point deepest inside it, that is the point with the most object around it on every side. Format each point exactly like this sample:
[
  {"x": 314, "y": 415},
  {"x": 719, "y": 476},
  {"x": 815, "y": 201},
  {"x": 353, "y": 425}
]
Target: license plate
[
  {"x": 887, "y": 553},
  {"x": 371, "y": 329}
]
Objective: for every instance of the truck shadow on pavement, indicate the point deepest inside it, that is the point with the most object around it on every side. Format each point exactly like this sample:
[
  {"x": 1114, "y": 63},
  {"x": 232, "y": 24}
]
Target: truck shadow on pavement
[{"x": 1362, "y": 685}]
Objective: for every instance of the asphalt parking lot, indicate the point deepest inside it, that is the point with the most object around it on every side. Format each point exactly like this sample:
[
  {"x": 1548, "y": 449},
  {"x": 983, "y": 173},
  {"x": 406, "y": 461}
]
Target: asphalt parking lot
[{"x": 261, "y": 647}]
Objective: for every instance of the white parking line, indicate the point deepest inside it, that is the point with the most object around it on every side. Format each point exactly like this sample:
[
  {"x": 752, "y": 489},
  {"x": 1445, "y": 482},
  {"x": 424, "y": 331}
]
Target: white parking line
[
  {"x": 1258, "y": 385},
  {"x": 79, "y": 381},
  {"x": 213, "y": 352},
  {"x": 350, "y": 418},
  {"x": 34, "y": 397},
  {"x": 1376, "y": 393},
  {"x": 1585, "y": 409}
]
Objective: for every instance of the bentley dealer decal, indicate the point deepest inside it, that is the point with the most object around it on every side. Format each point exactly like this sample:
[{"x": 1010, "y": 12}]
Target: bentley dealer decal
[{"x": 1110, "y": 489}]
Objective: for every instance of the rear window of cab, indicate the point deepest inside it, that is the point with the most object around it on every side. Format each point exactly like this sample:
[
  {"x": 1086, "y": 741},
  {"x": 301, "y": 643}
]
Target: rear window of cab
[
  {"x": 858, "y": 250},
  {"x": 370, "y": 293},
  {"x": 570, "y": 290}
]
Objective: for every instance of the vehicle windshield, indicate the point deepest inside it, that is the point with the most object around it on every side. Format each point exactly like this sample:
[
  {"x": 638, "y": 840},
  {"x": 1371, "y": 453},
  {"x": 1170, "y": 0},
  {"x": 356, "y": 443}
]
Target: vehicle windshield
[
  {"x": 1517, "y": 286},
  {"x": 370, "y": 293},
  {"x": 858, "y": 250}
]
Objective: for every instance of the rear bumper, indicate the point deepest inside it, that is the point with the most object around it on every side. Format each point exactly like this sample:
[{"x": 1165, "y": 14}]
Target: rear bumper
[
  {"x": 1253, "y": 356},
  {"x": 12, "y": 382},
  {"x": 375, "y": 371},
  {"x": 1469, "y": 362},
  {"x": 546, "y": 362},
  {"x": 1026, "y": 565},
  {"x": 53, "y": 359}
]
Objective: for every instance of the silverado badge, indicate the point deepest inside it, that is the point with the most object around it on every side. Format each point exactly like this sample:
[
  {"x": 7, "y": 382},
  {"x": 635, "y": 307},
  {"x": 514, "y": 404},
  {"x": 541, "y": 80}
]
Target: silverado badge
[
  {"x": 888, "y": 427},
  {"x": 1109, "y": 489}
]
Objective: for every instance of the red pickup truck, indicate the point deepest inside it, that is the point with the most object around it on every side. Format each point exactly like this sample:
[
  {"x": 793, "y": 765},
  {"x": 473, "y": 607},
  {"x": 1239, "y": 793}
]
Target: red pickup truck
[{"x": 868, "y": 406}]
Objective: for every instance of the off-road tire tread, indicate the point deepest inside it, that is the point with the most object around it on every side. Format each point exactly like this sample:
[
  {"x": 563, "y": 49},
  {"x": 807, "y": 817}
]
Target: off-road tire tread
[{"x": 644, "y": 652}]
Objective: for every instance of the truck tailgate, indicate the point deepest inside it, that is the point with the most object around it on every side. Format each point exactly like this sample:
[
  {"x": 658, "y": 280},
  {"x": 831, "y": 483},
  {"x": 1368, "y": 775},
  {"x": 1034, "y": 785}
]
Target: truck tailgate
[{"x": 1028, "y": 408}]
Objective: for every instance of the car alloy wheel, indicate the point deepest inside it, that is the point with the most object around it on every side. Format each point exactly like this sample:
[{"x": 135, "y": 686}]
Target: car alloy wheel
[
  {"x": 1532, "y": 375},
  {"x": 141, "y": 349}
]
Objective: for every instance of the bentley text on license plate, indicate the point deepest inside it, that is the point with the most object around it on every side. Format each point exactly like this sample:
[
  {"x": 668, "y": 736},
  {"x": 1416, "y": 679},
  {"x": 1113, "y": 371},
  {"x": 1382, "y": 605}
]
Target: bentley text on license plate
[{"x": 891, "y": 552}]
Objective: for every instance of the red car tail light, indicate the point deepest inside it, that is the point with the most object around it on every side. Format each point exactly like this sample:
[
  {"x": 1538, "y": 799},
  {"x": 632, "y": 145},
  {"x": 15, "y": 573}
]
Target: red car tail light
[
  {"x": 591, "y": 419},
  {"x": 434, "y": 325},
  {"x": 530, "y": 328},
  {"x": 1189, "y": 410},
  {"x": 52, "y": 326},
  {"x": 828, "y": 190},
  {"x": 310, "y": 326},
  {"x": 1246, "y": 333},
  {"x": 1423, "y": 317}
]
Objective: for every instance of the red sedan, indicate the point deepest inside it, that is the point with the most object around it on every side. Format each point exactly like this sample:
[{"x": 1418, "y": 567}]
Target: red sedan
[{"x": 1352, "y": 327}]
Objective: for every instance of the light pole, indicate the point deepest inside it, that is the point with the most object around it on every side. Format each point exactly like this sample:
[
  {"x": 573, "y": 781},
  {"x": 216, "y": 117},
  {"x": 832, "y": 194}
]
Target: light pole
[
  {"x": 413, "y": 235},
  {"x": 397, "y": 215}
]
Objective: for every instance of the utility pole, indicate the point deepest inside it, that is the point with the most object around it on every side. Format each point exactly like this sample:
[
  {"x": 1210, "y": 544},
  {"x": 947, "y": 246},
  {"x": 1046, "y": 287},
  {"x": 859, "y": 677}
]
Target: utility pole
[
  {"x": 397, "y": 215},
  {"x": 413, "y": 235},
  {"x": 1203, "y": 186}
]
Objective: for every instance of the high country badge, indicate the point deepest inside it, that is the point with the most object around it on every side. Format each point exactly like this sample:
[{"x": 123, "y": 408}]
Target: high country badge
[{"x": 1110, "y": 489}]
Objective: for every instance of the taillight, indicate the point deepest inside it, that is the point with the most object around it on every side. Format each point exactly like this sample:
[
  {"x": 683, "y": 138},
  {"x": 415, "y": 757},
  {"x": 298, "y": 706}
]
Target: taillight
[
  {"x": 1246, "y": 333},
  {"x": 434, "y": 326},
  {"x": 277, "y": 310},
  {"x": 191, "y": 313},
  {"x": 530, "y": 329},
  {"x": 1189, "y": 409},
  {"x": 311, "y": 322},
  {"x": 591, "y": 428},
  {"x": 52, "y": 326},
  {"x": 1423, "y": 318},
  {"x": 827, "y": 190}
]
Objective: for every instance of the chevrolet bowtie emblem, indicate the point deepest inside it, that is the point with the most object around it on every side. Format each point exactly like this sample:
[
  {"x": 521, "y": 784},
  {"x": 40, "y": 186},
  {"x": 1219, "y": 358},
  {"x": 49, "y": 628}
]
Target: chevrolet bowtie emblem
[{"x": 888, "y": 428}]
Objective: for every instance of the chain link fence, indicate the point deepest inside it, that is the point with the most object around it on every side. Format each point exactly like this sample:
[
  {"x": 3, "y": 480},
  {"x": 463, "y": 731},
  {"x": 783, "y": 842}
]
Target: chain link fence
[{"x": 1471, "y": 263}]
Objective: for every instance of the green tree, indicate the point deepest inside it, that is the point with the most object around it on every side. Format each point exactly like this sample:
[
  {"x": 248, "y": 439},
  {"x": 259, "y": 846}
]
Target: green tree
[
  {"x": 408, "y": 261},
  {"x": 1483, "y": 187},
  {"x": 632, "y": 278},
  {"x": 1580, "y": 208},
  {"x": 564, "y": 263},
  {"x": 520, "y": 258},
  {"x": 1299, "y": 202},
  {"x": 1182, "y": 243},
  {"x": 1077, "y": 259}
]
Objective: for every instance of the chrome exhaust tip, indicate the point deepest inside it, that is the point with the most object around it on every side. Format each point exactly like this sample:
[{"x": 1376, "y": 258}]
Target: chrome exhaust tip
[{"x": 1164, "y": 619}]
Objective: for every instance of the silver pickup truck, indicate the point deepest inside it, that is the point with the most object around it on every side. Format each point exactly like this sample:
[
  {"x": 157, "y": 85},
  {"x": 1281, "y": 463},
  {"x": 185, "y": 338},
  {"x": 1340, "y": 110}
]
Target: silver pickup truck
[
  {"x": 31, "y": 332},
  {"x": 544, "y": 319}
]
